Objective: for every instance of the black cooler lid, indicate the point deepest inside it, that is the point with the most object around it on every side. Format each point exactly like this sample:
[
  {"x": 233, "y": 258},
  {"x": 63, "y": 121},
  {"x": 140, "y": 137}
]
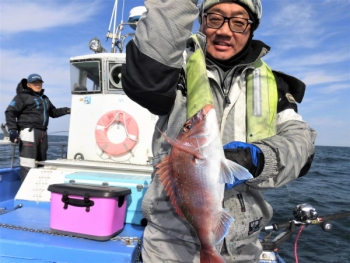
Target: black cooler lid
[{"x": 92, "y": 190}]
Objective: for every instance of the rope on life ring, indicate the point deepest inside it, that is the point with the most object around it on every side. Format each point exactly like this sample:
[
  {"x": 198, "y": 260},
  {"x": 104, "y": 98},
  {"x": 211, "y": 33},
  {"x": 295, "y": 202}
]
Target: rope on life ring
[{"x": 131, "y": 130}]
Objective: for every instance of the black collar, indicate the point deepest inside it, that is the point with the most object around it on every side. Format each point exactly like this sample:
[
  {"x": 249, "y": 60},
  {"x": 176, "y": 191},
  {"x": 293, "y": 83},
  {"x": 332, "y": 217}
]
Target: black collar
[{"x": 248, "y": 55}]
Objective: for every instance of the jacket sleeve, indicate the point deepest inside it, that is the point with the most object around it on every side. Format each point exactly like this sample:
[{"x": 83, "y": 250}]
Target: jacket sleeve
[
  {"x": 154, "y": 57},
  {"x": 57, "y": 112},
  {"x": 289, "y": 154},
  {"x": 12, "y": 113}
]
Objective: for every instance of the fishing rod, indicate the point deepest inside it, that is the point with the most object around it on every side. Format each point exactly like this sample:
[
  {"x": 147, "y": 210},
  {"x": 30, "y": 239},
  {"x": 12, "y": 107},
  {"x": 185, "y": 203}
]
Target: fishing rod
[
  {"x": 304, "y": 215},
  {"x": 56, "y": 132}
]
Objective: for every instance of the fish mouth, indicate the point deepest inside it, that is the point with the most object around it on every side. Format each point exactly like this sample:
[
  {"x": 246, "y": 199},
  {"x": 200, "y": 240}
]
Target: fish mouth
[{"x": 206, "y": 116}]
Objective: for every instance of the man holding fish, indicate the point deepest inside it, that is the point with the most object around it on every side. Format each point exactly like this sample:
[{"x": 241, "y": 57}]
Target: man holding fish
[{"x": 213, "y": 89}]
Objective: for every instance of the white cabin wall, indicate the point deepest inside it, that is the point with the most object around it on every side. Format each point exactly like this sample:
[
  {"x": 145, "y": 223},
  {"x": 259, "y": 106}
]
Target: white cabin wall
[{"x": 86, "y": 111}]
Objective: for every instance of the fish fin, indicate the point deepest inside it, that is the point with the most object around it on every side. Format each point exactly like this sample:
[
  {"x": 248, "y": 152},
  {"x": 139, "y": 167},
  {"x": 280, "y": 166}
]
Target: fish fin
[
  {"x": 223, "y": 226},
  {"x": 169, "y": 185},
  {"x": 188, "y": 148},
  {"x": 231, "y": 172}
]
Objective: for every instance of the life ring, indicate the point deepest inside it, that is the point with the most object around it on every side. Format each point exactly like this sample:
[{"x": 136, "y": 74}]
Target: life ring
[{"x": 131, "y": 130}]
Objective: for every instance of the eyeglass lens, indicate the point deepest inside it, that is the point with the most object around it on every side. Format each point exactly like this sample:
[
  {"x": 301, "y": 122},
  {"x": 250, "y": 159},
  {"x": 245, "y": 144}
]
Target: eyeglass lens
[{"x": 236, "y": 24}]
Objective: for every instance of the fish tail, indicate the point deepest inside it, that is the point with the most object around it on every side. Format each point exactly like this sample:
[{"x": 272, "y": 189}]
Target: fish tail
[
  {"x": 223, "y": 226},
  {"x": 211, "y": 256}
]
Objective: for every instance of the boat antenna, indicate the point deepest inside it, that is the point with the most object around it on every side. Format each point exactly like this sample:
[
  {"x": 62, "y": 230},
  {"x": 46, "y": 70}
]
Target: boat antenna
[
  {"x": 116, "y": 33},
  {"x": 112, "y": 35},
  {"x": 123, "y": 11},
  {"x": 114, "y": 24},
  {"x": 110, "y": 23}
]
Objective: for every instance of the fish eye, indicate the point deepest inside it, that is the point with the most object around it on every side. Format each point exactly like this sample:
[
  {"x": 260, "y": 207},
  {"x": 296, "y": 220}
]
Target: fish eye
[{"x": 187, "y": 127}]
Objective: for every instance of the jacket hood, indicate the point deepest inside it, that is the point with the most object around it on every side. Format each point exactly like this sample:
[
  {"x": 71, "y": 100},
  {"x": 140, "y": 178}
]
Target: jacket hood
[{"x": 22, "y": 87}]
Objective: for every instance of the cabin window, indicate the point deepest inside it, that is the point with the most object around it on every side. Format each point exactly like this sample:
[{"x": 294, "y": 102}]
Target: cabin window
[{"x": 85, "y": 77}]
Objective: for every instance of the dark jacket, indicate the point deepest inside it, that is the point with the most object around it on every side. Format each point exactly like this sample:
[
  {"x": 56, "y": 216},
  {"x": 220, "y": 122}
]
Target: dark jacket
[{"x": 29, "y": 109}]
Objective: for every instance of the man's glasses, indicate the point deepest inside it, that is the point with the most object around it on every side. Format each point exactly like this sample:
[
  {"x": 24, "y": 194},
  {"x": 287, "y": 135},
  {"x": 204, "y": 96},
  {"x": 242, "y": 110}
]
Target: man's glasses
[{"x": 236, "y": 24}]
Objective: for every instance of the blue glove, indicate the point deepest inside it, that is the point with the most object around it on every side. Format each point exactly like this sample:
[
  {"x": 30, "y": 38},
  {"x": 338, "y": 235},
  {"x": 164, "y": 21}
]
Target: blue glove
[
  {"x": 247, "y": 155},
  {"x": 13, "y": 135}
]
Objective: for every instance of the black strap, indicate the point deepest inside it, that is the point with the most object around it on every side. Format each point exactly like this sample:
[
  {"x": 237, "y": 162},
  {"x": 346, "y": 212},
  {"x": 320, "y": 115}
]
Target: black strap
[{"x": 181, "y": 85}]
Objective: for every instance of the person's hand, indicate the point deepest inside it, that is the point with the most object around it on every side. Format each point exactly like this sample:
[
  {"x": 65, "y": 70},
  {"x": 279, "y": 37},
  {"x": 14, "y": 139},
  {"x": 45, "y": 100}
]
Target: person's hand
[
  {"x": 247, "y": 155},
  {"x": 68, "y": 110},
  {"x": 14, "y": 136}
]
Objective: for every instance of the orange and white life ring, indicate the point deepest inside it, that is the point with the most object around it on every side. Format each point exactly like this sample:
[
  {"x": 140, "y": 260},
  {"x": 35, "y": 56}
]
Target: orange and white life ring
[{"x": 106, "y": 122}]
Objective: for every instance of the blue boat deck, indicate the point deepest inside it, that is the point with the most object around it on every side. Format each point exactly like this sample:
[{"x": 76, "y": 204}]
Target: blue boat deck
[
  {"x": 18, "y": 245},
  {"x": 27, "y": 244}
]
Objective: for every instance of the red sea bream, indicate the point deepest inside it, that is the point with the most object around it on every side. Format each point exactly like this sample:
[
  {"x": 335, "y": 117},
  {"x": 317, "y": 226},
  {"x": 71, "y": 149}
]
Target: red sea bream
[{"x": 194, "y": 176}]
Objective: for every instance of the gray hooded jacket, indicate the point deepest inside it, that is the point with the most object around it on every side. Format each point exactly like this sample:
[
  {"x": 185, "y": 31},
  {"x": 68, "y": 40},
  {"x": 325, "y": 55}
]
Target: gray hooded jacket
[{"x": 152, "y": 77}]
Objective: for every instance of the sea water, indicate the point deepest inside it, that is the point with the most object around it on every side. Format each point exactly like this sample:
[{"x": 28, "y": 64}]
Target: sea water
[{"x": 326, "y": 187}]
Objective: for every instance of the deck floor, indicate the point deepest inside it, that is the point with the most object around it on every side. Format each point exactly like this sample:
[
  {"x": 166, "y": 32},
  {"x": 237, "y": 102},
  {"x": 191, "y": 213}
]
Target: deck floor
[{"x": 24, "y": 246}]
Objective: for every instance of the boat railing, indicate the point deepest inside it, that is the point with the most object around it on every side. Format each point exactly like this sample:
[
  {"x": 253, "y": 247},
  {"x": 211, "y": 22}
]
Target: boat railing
[
  {"x": 14, "y": 145},
  {"x": 118, "y": 39},
  {"x": 13, "y": 152},
  {"x": 63, "y": 148}
]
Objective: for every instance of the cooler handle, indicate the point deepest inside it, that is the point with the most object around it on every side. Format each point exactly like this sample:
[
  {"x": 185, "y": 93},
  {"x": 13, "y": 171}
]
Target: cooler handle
[
  {"x": 86, "y": 202},
  {"x": 121, "y": 201}
]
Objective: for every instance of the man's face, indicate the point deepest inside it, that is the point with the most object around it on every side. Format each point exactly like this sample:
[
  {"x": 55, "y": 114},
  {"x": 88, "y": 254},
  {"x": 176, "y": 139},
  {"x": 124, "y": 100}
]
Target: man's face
[
  {"x": 222, "y": 43},
  {"x": 36, "y": 86}
]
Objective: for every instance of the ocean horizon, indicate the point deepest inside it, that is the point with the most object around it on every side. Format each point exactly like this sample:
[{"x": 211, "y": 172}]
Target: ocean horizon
[{"x": 55, "y": 134}]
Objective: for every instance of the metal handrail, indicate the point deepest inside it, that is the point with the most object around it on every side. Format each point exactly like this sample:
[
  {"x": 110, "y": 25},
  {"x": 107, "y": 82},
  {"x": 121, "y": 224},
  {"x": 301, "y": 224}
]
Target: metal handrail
[{"x": 7, "y": 142}]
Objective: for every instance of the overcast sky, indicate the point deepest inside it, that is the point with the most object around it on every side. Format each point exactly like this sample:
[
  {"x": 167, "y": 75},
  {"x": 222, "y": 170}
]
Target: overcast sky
[{"x": 310, "y": 39}]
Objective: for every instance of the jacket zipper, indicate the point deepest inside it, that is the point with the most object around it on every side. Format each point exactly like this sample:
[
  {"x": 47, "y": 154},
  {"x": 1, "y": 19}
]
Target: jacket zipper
[
  {"x": 227, "y": 100},
  {"x": 44, "y": 110},
  {"x": 226, "y": 92}
]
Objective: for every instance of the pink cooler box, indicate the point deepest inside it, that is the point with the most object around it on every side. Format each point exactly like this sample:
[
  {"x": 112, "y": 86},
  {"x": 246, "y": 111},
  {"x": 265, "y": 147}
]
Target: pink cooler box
[{"x": 93, "y": 212}]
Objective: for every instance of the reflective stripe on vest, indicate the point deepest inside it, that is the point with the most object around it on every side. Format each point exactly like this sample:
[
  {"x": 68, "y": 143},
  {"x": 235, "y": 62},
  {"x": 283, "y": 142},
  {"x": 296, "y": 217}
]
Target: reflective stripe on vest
[{"x": 262, "y": 100}]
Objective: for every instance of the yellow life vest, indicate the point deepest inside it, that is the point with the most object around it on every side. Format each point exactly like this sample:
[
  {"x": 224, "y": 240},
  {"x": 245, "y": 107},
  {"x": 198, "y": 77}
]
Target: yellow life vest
[
  {"x": 262, "y": 95},
  {"x": 197, "y": 83}
]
